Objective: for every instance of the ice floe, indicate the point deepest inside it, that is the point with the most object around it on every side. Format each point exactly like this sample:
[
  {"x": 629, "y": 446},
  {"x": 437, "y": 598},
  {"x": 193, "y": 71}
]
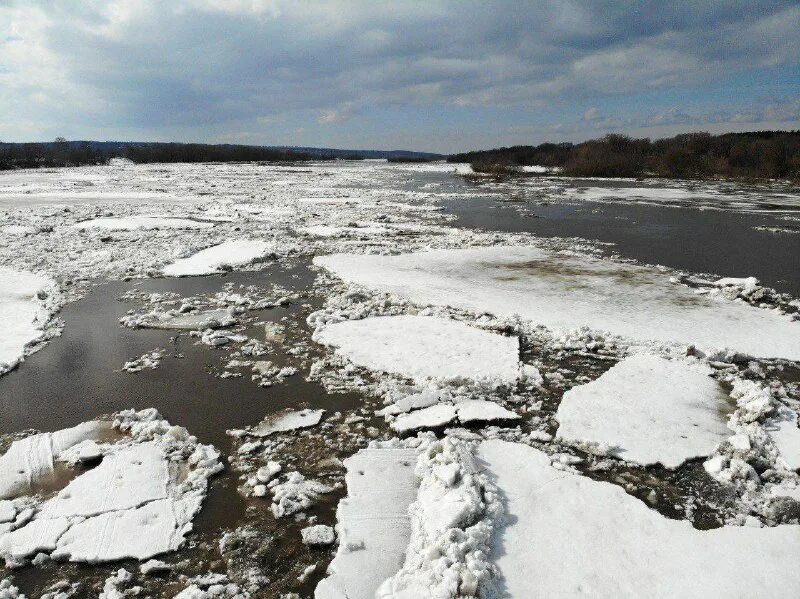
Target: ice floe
[
  {"x": 27, "y": 301},
  {"x": 422, "y": 348},
  {"x": 566, "y": 291},
  {"x": 784, "y": 432},
  {"x": 374, "y": 525},
  {"x": 287, "y": 420},
  {"x": 138, "y": 502},
  {"x": 647, "y": 410},
  {"x": 219, "y": 258},
  {"x": 567, "y": 535}
]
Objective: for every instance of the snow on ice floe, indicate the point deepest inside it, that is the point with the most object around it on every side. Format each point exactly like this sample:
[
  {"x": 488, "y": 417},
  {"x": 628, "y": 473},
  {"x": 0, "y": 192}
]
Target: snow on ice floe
[
  {"x": 784, "y": 432},
  {"x": 27, "y": 302},
  {"x": 139, "y": 501},
  {"x": 32, "y": 458},
  {"x": 423, "y": 348},
  {"x": 286, "y": 420},
  {"x": 565, "y": 291},
  {"x": 218, "y": 258},
  {"x": 647, "y": 410},
  {"x": 466, "y": 411},
  {"x": 134, "y": 223},
  {"x": 374, "y": 526},
  {"x": 567, "y": 535}
]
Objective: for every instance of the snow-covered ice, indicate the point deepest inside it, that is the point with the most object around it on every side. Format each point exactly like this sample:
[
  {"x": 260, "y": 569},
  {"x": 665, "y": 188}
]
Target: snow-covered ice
[
  {"x": 138, "y": 502},
  {"x": 24, "y": 312},
  {"x": 431, "y": 417},
  {"x": 287, "y": 420},
  {"x": 480, "y": 410},
  {"x": 647, "y": 410},
  {"x": 374, "y": 526},
  {"x": 422, "y": 348},
  {"x": 566, "y": 291},
  {"x": 784, "y": 432},
  {"x": 569, "y": 536},
  {"x": 30, "y": 459},
  {"x": 133, "y": 223},
  {"x": 240, "y": 252}
]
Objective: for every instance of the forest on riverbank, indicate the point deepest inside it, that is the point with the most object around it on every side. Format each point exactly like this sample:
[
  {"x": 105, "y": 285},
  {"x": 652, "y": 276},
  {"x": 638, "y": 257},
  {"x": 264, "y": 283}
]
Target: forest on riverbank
[{"x": 757, "y": 155}]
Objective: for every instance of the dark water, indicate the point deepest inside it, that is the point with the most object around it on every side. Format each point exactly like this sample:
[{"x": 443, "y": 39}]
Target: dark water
[
  {"x": 718, "y": 242},
  {"x": 77, "y": 378}
]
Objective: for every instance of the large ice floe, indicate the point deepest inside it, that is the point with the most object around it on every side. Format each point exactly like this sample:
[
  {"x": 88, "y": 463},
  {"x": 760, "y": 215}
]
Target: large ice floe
[
  {"x": 647, "y": 410},
  {"x": 27, "y": 302},
  {"x": 219, "y": 258},
  {"x": 564, "y": 291},
  {"x": 374, "y": 526},
  {"x": 565, "y": 535},
  {"x": 139, "y": 501},
  {"x": 423, "y": 348}
]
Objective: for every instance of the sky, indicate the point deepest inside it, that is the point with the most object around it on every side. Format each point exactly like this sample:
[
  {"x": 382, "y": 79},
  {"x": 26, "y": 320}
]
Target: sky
[{"x": 425, "y": 75}]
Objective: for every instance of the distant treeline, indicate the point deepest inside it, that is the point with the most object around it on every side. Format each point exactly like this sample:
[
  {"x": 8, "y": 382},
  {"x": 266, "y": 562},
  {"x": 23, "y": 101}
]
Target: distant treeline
[
  {"x": 76, "y": 153},
  {"x": 758, "y": 154},
  {"x": 67, "y": 153}
]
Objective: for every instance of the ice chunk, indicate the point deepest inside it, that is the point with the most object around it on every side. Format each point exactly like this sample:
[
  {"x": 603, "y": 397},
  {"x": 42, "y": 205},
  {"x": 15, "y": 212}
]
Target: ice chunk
[
  {"x": 22, "y": 313},
  {"x": 138, "y": 502},
  {"x": 432, "y": 417},
  {"x": 373, "y": 523},
  {"x": 287, "y": 420},
  {"x": 564, "y": 292},
  {"x": 126, "y": 479},
  {"x": 647, "y": 410},
  {"x": 318, "y": 535},
  {"x": 215, "y": 259},
  {"x": 424, "y": 348},
  {"x": 30, "y": 458},
  {"x": 33, "y": 537},
  {"x": 472, "y": 410},
  {"x": 567, "y": 536},
  {"x": 783, "y": 430},
  {"x": 140, "y": 533},
  {"x": 296, "y": 494}
]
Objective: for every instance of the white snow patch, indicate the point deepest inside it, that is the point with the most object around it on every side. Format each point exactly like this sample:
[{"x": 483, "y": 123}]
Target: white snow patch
[
  {"x": 783, "y": 430},
  {"x": 424, "y": 348},
  {"x": 569, "y": 536},
  {"x": 138, "y": 502},
  {"x": 287, "y": 420},
  {"x": 647, "y": 410},
  {"x": 220, "y": 257},
  {"x": 374, "y": 526},
  {"x": 567, "y": 291},
  {"x": 480, "y": 410},
  {"x": 23, "y": 313},
  {"x": 432, "y": 417}
]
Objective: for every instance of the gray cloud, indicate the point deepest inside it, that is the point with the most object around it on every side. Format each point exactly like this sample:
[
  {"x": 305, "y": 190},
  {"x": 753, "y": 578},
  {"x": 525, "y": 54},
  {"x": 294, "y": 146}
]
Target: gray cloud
[{"x": 245, "y": 65}]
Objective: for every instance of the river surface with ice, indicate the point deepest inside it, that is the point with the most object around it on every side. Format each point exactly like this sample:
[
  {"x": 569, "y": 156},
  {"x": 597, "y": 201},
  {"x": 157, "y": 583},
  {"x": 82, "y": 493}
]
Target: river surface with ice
[{"x": 348, "y": 379}]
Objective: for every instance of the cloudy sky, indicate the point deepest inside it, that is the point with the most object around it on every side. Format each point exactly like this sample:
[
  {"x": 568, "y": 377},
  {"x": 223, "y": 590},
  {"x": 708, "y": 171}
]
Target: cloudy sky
[{"x": 427, "y": 75}]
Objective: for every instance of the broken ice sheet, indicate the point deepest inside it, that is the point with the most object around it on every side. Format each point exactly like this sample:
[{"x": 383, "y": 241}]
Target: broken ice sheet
[
  {"x": 138, "y": 502},
  {"x": 567, "y": 535},
  {"x": 286, "y": 420},
  {"x": 373, "y": 522},
  {"x": 26, "y": 305},
  {"x": 647, "y": 410},
  {"x": 423, "y": 348},
  {"x": 564, "y": 292},
  {"x": 240, "y": 252}
]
